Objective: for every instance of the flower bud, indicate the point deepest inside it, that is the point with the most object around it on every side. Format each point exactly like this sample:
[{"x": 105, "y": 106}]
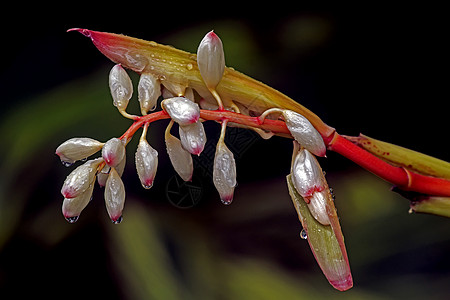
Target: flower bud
[
  {"x": 113, "y": 152},
  {"x": 72, "y": 207},
  {"x": 181, "y": 110},
  {"x": 80, "y": 179},
  {"x": 211, "y": 60},
  {"x": 114, "y": 196},
  {"x": 146, "y": 163},
  {"x": 149, "y": 90},
  {"x": 77, "y": 149},
  {"x": 307, "y": 174},
  {"x": 193, "y": 137},
  {"x": 180, "y": 158},
  {"x": 318, "y": 207},
  {"x": 120, "y": 86},
  {"x": 304, "y": 133},
  {"x": 224, "y": 173}
]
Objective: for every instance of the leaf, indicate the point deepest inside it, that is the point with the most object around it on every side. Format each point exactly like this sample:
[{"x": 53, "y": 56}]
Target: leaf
[
  {"x": 326, "y": 242},
  {"x": 404, "y": 157}
]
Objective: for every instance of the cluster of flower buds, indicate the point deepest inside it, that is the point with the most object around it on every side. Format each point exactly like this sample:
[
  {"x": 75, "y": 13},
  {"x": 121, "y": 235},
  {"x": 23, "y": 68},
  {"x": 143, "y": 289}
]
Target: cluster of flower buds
[{"x": 179, "y": 104}]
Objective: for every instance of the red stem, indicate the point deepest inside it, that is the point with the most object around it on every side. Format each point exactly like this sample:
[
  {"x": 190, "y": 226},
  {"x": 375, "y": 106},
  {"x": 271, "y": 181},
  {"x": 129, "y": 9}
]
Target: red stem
[{"x": 399, "y": 176}]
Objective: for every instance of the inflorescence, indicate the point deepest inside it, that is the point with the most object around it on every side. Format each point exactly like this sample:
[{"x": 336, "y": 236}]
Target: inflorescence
[{"x": 184, "y": 107}]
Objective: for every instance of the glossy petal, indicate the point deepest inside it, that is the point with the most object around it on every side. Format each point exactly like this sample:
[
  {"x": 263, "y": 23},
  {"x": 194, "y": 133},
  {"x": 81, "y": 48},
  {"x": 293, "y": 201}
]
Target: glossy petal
[
  {"x": 80, "y": 179},
  {"x": 224, "y": 173},
  {"x": 72, "y": 207},
  {"x": 211, "y": 59},
  {"x": 193, "y": 138},
  {"x": 180, "y": 158},
  {"x": 113, "y": 152},
  {"x": 114, "y": 195},
  {"x": 307, "y": 174},
  {"x": 181, "y": 110},
  {"x": 146, "y": 163},
  {"x": 304, "y": 132},
  {"x": 77, "y": 149},
  {"x": 149, "y": 90},
  {"x": 120, "y": 86}
]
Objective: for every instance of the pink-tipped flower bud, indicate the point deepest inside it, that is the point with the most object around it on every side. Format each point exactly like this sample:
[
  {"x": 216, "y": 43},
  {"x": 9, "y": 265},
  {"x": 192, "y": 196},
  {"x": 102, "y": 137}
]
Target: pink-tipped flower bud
[
  {"x": 318, "y": 207},
  {"x": 307, "y": 174},
  {"x": 72, "y": 207},
  {"x": 120, "y": 86},
  {"x": 180, "y": 158},
  {"x": 149, "y": 90},
  {"x": 211, "y": 59},
  {"x": 77, "y": 149},
  {"x": 224, "y": 173},
  {"x": 146, "y": 163},
  {"x": 181, "y": 110},
  {"x": 310, "y": 183},
  {"x": 113, "y": 152},
  {"x": 304, "y": 133},
  {"x": 193, "y": 137},
  {"x": 114, "y": 196},
  {"x": 80, "y": 179}
]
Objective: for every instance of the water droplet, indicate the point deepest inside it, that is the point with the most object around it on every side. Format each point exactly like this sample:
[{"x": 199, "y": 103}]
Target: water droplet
[
  {"x": 303, "y": 234},
  {"x": 227, "y": 201},
  {"x": 66, "y": 163},
  {"x": 189, "y": 66},
  {"x": 118, "y": 220},
  {"x": 147, "y": 186},
  {"x": 72, "y": 219},
  {"x": 84, "y": 159},
  {"x": 153, "y": 44}
]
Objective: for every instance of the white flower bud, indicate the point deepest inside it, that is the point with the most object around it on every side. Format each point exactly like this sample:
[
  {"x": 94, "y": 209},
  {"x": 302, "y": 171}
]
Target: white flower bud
[
  {"x": 180, "y": 158},
  {"x": 181, "y": 110},
  {"x": 114, "y": 196},
  {"x": 318, "y": 207},
  {"x": 224, "y": 173},
  {"x": 113, "y": 152},
  {"x": 72, "y": 207},
  {"x": 120, "y": 86},
  {"x": 80, "y": 179},
  {"x": 146, "y": 163},
  {"x": 149, "y": 90},
  {"x": 77, "y": 149},
  {"x": 193, "y": 137},
  {"x": 304, "y": 133},
  {"x": 307, "y": 174},
  {"x": 211, "y": 59}
]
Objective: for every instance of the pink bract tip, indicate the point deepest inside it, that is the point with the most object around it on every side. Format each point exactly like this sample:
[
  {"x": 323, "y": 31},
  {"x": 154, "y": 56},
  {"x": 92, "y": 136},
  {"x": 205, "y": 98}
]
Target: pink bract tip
[{"x": 84, "y": 32}]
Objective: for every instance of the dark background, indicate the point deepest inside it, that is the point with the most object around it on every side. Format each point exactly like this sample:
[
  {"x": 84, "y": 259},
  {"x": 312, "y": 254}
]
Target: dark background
[{"x": 379, "y": 70}]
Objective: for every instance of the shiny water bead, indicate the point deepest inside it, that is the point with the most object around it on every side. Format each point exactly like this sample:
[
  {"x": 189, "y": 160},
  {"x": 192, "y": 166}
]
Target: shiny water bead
[
  {"x": 146, "y": 163},
  {"x": 113, "y": 152},
  {"x": 224, "y": 173},
  {"x": 120, "y": 86},
  {"x": 149, "y": 90},
  {"x": 211, "y": 59},
  {"x": 80, "y": 179},
  {"x": 304, "y": 132},
  {"x": 77, "y": 149},
  {"x": 181, "y": 110},
  {"x": 193, "y": 137},
  {"x": 114, "y": 195}
]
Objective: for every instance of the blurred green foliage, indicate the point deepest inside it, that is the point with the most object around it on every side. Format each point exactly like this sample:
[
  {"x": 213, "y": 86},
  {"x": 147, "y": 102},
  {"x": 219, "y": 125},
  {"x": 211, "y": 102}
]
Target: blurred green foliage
[{"x": 250, "y": 250}]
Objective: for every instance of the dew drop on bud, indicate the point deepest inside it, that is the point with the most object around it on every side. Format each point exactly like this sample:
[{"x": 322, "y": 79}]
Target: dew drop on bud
[
  {"x": 72, "y": 219},
  {"x": 118, "y": 220},
  {"x": 303, "y": 234},
  {"x": 67, "y": 163},
  {"x": 227, "y": 201}
]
